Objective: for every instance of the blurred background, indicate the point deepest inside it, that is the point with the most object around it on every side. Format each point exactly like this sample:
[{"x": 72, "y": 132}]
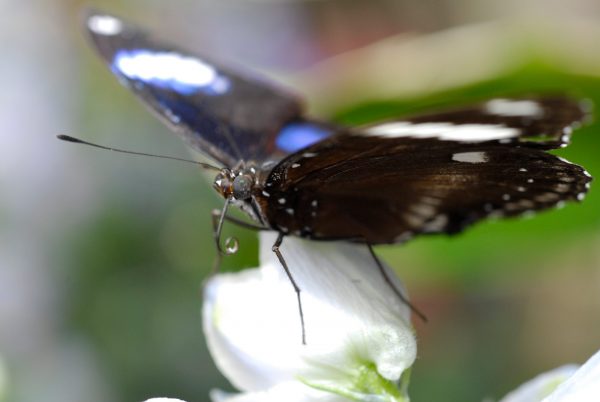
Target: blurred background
[{"x": 102, "y": 255}]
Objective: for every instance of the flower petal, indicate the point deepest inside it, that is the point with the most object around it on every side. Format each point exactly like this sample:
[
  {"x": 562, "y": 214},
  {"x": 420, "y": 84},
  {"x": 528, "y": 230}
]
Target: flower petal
[
  {"x": 291, "y": 391},
  {"x": 541, "y": 386},
  {"x": 163, "y": 400},
  {"x": 564, "y": 384},
  {"x": 582, "y": 386},
  {"x": 352, "y": 318}
]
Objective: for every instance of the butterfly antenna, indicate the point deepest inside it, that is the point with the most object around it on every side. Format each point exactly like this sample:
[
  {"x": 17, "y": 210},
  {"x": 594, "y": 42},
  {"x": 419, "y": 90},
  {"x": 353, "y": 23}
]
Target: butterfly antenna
[{"x": 68, "y": 138}]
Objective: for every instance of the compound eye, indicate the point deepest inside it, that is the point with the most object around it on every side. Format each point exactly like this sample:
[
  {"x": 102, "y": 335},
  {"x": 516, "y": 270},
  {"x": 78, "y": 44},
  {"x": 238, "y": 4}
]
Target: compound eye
[
  {"x": 242, "y": 187},
  {"x": 223, "y": 185}
]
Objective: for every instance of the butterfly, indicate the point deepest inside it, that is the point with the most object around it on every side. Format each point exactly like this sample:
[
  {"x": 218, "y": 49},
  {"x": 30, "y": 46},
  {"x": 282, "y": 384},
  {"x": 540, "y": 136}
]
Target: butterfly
[{"x": 383, "y": 183}]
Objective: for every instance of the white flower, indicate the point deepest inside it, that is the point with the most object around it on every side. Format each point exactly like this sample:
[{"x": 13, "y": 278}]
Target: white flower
[
  {"x": 564, "y": 384},
  {"x": 359, "y": 338},
  {"x": 163, "y": 400}
]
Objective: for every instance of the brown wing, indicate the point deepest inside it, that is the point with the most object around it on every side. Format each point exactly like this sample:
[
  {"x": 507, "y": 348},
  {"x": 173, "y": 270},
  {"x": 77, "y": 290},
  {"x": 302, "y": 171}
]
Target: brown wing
[
  {"x": 545, "y": 122},
  {"x": 359, "y": 187}
]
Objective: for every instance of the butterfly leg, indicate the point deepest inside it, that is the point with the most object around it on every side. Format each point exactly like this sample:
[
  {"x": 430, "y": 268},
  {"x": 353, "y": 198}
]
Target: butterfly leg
[
  {"x": 231, "y": 243},
  {"x": 216, "y": 213},
  {"x": 291, "y": 278},
  {"x": 388, "y": 280}
]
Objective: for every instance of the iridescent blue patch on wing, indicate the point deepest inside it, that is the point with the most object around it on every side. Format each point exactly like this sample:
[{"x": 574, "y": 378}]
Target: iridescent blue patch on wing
[
  {"x": 296, "y": 136},
  {"x": 170, "y": 70}
]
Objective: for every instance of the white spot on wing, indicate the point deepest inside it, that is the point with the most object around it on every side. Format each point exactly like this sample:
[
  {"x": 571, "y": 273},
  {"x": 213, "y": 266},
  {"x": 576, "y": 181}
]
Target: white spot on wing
[
  {"x": 423, "y": 209},
  {"x": 566, "y": 179},
  {"x": 443, "y": 131},
  {"x": 514, "y": 108},
  {"x": 281, "y": 201},
  {"x": 547, "y": 197},
  {"x": 526, "y": 204},
  {"x": 295, "y": 165},
  {"x": 511, "y": 206},
  {"x": 105, "y": 25},
  {"x": 437, "y": 224},
  {"x": 401, "y": 238},
  {"x": 170, "y": 69},
  {"x": 431, "y": 200},
  {"x": 470, "y": 157},
  {"x": 413, "y": 220}
]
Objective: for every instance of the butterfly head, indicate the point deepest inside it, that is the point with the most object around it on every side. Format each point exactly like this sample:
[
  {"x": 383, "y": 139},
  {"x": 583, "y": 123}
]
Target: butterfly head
[{"x": 237, "y": 185}]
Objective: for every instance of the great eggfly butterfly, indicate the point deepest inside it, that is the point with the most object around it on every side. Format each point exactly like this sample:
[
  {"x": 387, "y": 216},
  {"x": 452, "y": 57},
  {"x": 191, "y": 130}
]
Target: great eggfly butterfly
[{"x": 378, "y": 184}]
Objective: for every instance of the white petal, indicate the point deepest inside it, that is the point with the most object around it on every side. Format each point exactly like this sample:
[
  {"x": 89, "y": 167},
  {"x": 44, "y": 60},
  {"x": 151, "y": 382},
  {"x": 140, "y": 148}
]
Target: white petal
[
  {"x": 541, "y": 386},
  {"x": 236, "y": 315},
  {"x": 163, "y": 400},
  {"x": 564, "y": 384},
  {"x": 288, "y": 392},
  {"x": 582, "y": 386},
  {"x": 352, "y": 317}
]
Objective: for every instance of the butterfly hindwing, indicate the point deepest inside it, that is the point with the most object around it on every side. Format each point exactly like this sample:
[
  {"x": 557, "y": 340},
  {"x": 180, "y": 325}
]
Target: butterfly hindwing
[{"x": 218, "y": 111}]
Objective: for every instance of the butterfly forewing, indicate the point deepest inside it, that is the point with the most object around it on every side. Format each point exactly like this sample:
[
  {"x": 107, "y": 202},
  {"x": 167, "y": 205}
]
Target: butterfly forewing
[
  {"x": 220, "y": 112},
  {"x": 544, "y": 122}
]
